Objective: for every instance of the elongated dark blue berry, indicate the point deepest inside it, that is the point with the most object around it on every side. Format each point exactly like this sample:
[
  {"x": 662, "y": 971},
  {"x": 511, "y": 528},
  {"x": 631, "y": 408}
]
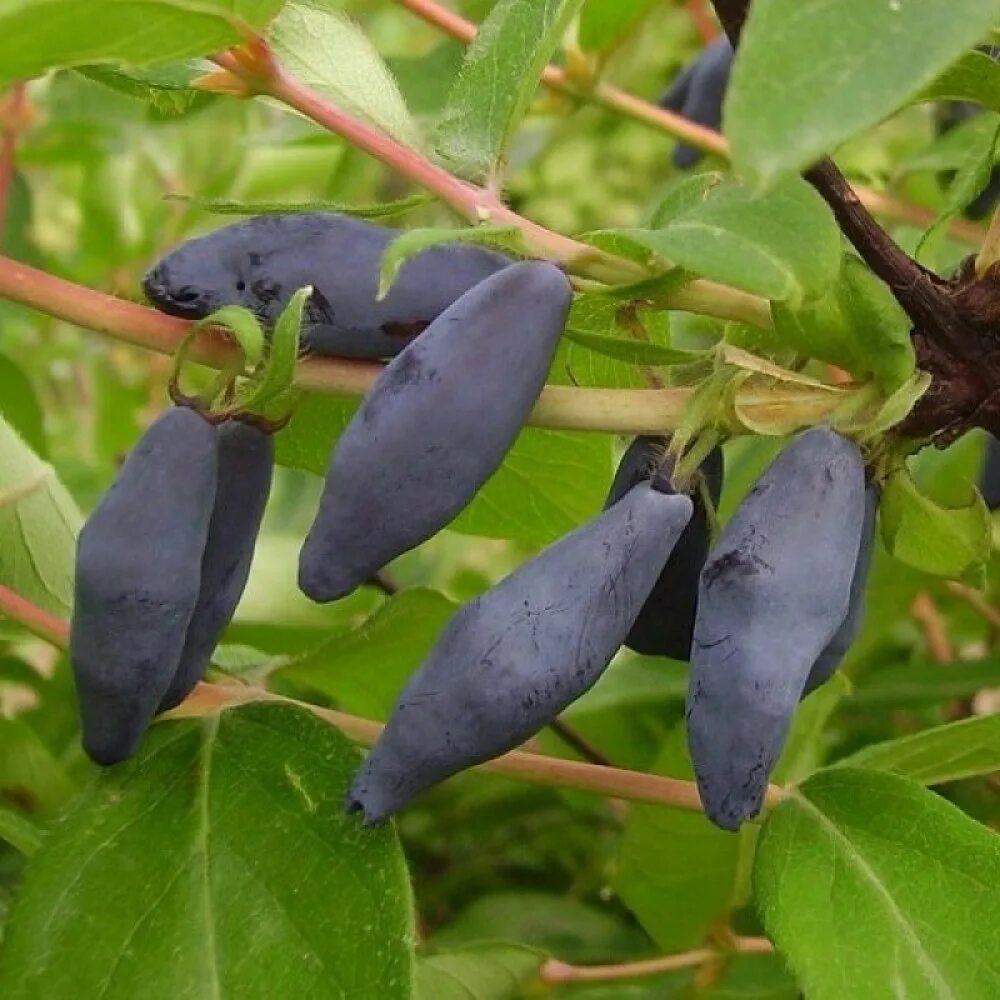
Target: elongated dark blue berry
[
  {"x": 824, "y": 668},
  {"x": 138, "y": 576},
  {"x": 513, "y": 659},
  {"x": 698, "y": 94},
  {"x": 666, "y": 622},
  {"x": 261, "y": 262},
  {"x": 775, "y": 590},
  {"x": 246, "y": 463},
  {"x": 434, "y": 427}
]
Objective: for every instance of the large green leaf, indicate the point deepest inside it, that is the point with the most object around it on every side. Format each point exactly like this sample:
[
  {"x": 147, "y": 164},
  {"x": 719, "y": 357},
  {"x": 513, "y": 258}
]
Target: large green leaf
[
  {"x": 812, "y": 73},
  {"x": 38, "y": 526},
  {"x": 871, "y": 886},
  {"x": 784, "y": 245},
  {"x": 549, "y": 482},
  {"x": 944, "y": 753},
  {"x": 327, "y": 51},
  {"x": 493, "y": 970},
  {"x": 37, "y": 35},
  {"x": 676, "y": 872},
  {"x": 498, "y": 79},
  {"x": 364, "y": 670},
  {"x": 219, "y": 863}
]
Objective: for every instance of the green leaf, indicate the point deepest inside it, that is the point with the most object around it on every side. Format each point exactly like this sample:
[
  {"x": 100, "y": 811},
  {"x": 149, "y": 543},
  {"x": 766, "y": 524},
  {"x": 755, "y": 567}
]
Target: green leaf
[
  {"x": 497, "y": 81},
  {"x": 38, "y": 35},
  {"x": 30, "y": 773},
  {"x": 19, "y": 831},
  {"x": 220, "y": 862},
  {"x": 38, "y": 526},
  {"x": 784, "y": 245},
  {"x": 167, "y": 90},
  {"x": 492, "y": 970},
  {"x": 561, "y": 925},
  {"x": 416, "y": 241},
  {"x": 604, "y": 23},
  {"x": 548, "y": 484},
  {"x": 396, "y": 638},
  {"x": 972, "y": 177},
  {"x": 949, "y": 542},
  {"x": 857, "y": 325},
  {"x": 635, "y": 352},
  {"x": 924, "y": 683},
  {"x": 874, "y": 867},
  {"x": 272, "y": 393},
  {"x": 676, "y": 872},
  {"x": 20, "y": 407},
  {"x": 812, "y": 73},
  {"x": 975, "y": 77},
  {"x": 382, "y": 210},
  {"x": 243, "y": 326},
  {"x": 944, "y": 753},
  {"x": 328, "y": 52}
]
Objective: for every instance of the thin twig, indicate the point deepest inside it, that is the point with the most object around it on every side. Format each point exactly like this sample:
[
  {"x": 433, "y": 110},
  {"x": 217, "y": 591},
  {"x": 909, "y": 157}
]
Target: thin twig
[
  {"x": 528, "y": 767},
  {"x": 702, "y": 19},
  {"x": 36, "y": 620},
  {"x": 531, "y": 768},
  {"x": 616, "y": 411},
  {"x": 475, "y": 204},
  {"x": 621, "y": 102},
  {"x": 975, "y": 600},
  {"x": 554, "y": 971},
  {"x": 575, "y": 741},
  {"x": 925, "y": 612}
]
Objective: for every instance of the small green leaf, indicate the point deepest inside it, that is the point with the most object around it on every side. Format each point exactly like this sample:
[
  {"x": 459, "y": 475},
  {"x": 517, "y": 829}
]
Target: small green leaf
[
  {"x": 328, "y": 52},
  {"x": 784, "y": 245},
  {"x": 167, "y": 90},
  {"x": 941, "y": 541},
  {"x": 416, "y": 241},
  {"x": 873, "y": 866},
  {"x": 635, "y": 352},
  {"x": 19, "y": 831},
  {"x": 944, "y": 753},
  {"x": 223, "y": 206},
  {"x": 493, "y": 970},
  {"x": 972, "y": 177},
  {"x": 857, "y": 325},
  {"x": 604, "y": 23},
  {"x": 38, "y": 525},
  {"x": 498, "y": 79},
  {"x": 20, "y": 407},
  {"x": 243, "y": 326},
  {"x": 272, "y": 392},
  {"x": 924, "y": 683},
  {"x": 172, "y": 882},
  {"x": 811, "y": 74},
  {"x": 975, "y": 77}
]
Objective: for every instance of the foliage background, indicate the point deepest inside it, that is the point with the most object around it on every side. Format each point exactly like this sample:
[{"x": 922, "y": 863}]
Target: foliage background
[{"x": 148, "y": 878}]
